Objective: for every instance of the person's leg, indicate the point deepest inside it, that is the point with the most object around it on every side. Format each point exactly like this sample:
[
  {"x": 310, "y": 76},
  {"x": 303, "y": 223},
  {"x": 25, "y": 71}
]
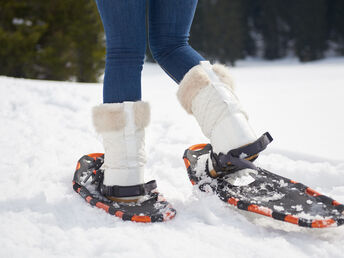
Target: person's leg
[
  {"x": 205, "y": 91},
  {"x": 169, "y": 27},
  {"x": 122, "y": 118},
  {"x": 125, "y": 31}
]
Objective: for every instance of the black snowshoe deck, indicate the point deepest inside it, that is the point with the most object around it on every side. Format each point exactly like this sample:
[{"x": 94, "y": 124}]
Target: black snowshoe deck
[
  {"x": 269, "y": 194},
  {"x": 151, "y": 208}
]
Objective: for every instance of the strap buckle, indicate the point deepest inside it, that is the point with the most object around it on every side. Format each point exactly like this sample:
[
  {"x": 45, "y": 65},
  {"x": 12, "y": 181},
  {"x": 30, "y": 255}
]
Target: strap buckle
[{"x": 239, "y": 158}]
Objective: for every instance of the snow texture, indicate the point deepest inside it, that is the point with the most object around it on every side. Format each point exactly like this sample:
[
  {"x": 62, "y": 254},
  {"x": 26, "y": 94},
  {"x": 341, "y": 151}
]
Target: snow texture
[{"x": 46, "y": 127}]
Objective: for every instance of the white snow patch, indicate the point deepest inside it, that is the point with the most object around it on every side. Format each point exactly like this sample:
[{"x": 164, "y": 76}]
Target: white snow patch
[
  {"x": 283, "y": 183},
  {"x": 243, "y": 155},
  {"x": 201, "y": 165},
  {"x": 241, "y": 177},
  {"x": 278, "y": 208},
  {"x": 297, "y": 207}
]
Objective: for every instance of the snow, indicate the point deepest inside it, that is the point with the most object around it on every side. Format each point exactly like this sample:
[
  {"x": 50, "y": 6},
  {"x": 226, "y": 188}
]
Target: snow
[{"x": 46, "y": 127}]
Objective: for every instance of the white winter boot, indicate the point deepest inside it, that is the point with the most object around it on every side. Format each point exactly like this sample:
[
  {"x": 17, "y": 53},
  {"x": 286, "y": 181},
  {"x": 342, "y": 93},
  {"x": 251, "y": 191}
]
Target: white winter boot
[
  {"x": 121, "y": 126},
  {"x": 207, "y": 92}
]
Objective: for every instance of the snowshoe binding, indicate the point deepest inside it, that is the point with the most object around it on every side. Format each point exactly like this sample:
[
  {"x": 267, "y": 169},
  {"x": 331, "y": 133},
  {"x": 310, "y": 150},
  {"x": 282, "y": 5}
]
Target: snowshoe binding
[
  {"x": 237, "y": 181},
  {"x": 87, "y": 182}
]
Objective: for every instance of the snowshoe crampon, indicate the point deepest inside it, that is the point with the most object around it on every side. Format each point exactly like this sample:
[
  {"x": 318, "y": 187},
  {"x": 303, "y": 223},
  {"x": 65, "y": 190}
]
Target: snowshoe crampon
[
  {"x": 265, "y": 193},
  {"x": 87, "y": 182}
]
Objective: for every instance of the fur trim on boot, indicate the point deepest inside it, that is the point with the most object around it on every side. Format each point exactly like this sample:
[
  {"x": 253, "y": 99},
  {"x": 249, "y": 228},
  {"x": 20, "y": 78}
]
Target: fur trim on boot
[
  {"x": 197, "y": 79},
  {"x": 111, "y": 117}
]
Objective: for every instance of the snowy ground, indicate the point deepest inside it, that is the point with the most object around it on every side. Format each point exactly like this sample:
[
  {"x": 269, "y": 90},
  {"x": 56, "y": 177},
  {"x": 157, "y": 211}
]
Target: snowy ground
[{"x": 46, "y": 127}]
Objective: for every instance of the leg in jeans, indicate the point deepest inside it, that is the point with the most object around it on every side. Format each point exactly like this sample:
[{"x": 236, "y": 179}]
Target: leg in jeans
[
  {"x": 122, "y": 118},
  {"x": 169, "y": 26},
  {"x": 124, "y": 25}
]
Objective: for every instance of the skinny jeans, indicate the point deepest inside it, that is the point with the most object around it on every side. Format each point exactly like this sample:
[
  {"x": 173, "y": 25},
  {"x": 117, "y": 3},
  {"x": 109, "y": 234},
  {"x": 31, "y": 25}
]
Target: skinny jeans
[{"x": 124, "y": 22}]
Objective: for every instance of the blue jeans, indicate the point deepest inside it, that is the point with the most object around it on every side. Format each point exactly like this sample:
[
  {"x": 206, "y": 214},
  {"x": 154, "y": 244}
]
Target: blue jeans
[{"x": 125, "y": 31}]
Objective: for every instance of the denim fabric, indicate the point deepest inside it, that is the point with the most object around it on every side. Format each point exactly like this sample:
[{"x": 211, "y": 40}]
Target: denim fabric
[{"x": 124, "y": 23}]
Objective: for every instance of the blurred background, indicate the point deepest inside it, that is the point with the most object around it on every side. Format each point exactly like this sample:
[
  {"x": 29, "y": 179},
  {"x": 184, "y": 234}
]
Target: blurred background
[{"x": 64, "y": 40}]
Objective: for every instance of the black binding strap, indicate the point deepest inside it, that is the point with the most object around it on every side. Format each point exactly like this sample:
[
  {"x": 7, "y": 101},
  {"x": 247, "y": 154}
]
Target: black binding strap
[
  {"x": 239, "y": 158},
  {"x": 128, "y": 191}
]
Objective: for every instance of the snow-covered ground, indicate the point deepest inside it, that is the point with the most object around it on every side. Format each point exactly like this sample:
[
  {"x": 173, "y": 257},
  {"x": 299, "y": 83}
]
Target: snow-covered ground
[{"x": 46, "y": 126}]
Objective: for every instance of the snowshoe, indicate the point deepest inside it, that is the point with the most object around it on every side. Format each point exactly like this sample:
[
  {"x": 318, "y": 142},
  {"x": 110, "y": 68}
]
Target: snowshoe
[
  {"x": 152, "y": 207},
  {"x": 238, "y": 182}
]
